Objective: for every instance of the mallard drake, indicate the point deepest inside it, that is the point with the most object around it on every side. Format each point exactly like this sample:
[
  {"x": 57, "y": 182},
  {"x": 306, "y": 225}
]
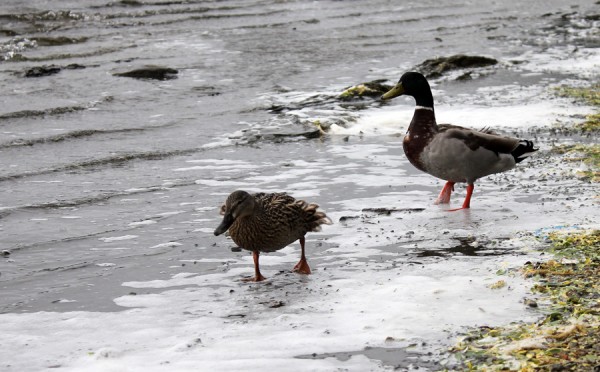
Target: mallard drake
[
  {"x": 269, "y": 222},
  {"x": 450, "y": 152}
]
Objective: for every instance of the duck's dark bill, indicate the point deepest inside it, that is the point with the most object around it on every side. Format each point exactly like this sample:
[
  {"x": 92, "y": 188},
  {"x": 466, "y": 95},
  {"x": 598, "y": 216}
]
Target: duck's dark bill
[
  {"x": 227, "y": 221},
  {"x": 396, "y": 91}
]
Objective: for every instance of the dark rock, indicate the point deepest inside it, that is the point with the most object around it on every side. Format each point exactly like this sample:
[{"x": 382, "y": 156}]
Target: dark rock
[
  {"x": 150, "y": 72},
  {"x": 436, "y": 67},
  {"x": 51, "y": 70},
  {"x": 207, "y": 91},
  {"x": 133, "y": 3},
  {"x": 346, "y": 218},
  {"x": 42, "y": 71},
  {"x": 465, "y": 76},
  {"x": 388, "y": 211},
  {"x": 57, "y": 41},
  {"x": 315, "y": 133},
  {"x": 530, "y": 303},
  {"x": 236, "y": 249},
  {"x": 74, "y": 66},
  {"x": 8, "y": 33},
  {"x": 236, "y": 316},
  {"x": 592, "y": 17},
  {"x": 276, "y": 304}
]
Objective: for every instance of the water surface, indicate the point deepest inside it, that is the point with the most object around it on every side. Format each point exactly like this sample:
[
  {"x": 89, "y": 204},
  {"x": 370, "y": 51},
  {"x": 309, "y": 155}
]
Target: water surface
[{"x": 109, "y": 180}]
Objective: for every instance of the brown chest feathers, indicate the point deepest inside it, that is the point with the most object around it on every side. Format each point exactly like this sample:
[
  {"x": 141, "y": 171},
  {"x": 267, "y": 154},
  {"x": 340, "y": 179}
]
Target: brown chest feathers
[
  {"x": 265, "y": 235},
  {"x": 421, "y": 131}
]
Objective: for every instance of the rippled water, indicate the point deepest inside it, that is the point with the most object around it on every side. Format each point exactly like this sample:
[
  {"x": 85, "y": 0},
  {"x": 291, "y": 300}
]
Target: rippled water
[{"x": 107, "y": 179}]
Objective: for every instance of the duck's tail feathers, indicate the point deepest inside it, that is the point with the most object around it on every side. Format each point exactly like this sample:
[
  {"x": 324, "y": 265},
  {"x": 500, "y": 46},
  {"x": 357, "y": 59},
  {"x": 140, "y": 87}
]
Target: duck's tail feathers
[
  {"x": 315, "y": 218},
  {"x": 524, "y": 149}
]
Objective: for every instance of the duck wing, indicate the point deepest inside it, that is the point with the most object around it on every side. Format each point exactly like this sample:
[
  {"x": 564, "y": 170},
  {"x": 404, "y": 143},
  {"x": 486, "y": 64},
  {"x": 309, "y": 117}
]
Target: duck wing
[
  {"x": 474, "y": 139},
  {"x": 297, "y": 215}
]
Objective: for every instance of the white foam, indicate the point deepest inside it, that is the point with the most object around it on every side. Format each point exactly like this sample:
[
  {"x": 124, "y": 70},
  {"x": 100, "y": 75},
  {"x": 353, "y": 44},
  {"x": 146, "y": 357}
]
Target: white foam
[
  {"x": 395, "y": 120},
  {"x": 206, "y": 230},
  {"x": 545, "y": 113},
  {"x": 202, "y": 326},
  {"x": 218, "y": 164},
  {"x": 142, "y": 223},
  {"x": 376, "y": 122},
  {"x": 106, "y": 264},
  {"x": 584, "y": 62},
  {"x": 171, "y": 213},
  {"x": 212, "y": 182},
  {"x": 167, "y": 245},
  {"x": 118, "y": 238}
]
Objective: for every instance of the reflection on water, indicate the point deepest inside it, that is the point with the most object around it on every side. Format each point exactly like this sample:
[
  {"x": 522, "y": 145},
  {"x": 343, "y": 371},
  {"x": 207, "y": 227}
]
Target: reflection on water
[{"x": 468, "y": 246}]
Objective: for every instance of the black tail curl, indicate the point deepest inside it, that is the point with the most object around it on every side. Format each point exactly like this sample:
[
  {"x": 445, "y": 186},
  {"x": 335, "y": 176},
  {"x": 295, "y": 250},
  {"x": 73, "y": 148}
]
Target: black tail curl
[{"x": 523, "y": 150}]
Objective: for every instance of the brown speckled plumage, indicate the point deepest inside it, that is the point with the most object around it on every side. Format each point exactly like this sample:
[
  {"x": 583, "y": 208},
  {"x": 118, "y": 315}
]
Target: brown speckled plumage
[
  {"x": 277, "y": 221},
  {"x": 269, "y": 222}
]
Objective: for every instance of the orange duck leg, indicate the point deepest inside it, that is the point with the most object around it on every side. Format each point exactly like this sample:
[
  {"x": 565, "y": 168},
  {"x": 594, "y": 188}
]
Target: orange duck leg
[
  {"x": 302, "y": 265},
  {"x": 257, "y": 275},
  {"x": 467, "y": 202},
  {"x": 444, "y": 197}
]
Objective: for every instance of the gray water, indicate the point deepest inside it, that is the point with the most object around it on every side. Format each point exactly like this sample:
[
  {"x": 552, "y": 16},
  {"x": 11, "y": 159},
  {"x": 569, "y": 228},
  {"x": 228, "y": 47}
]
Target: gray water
[{"x": 99, "y": 169}]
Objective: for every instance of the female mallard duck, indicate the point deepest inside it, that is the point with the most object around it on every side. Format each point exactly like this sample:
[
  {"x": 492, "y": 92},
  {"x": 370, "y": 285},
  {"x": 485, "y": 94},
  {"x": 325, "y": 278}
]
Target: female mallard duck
[
  {"x": 269, "y": 222},
  {"x": 450, "y": 152}
]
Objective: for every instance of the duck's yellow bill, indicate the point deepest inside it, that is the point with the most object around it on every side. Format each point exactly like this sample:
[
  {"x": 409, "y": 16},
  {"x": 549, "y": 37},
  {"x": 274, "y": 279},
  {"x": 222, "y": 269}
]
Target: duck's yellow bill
[{"x": 396, "y": 91}]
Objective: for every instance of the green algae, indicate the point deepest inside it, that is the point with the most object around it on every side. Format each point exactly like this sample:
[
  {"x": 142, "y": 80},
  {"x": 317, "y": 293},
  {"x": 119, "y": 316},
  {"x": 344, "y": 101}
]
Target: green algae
[
  {"x": 588, "y": 95},
  {"x": 566, "y": 338},
  {"x": 588, "y": 154},
  {"x": 373, "y": 89}
]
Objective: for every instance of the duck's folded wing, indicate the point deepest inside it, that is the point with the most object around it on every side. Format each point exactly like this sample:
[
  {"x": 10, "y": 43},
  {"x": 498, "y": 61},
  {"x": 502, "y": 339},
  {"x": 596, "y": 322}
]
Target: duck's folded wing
[{"x": 476, "y": 139}]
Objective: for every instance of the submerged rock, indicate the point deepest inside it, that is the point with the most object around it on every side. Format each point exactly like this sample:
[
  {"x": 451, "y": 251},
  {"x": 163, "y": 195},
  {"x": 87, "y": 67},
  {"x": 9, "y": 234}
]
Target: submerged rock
[
  {"x": 5, "y": 32},
  {"x": 40, "y": 71},
  {"x": 57, "y": 41},
  {"x": 150, "y": 72},
  {"x": 436, "y": 67},
  {"x": 132, "y": 3}
]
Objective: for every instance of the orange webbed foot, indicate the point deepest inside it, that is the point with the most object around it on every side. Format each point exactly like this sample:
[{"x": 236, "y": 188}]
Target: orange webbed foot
[
  {"x": 457, "y": 209},
  {"x": 254, "y": 279},
  {"x": 302, "y": 267}
]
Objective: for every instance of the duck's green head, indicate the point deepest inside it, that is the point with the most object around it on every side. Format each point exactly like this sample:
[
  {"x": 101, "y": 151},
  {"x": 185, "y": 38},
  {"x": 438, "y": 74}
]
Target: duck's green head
[
  {"x": 238, "y": 204},
  {"x": 412, "y": 84}
]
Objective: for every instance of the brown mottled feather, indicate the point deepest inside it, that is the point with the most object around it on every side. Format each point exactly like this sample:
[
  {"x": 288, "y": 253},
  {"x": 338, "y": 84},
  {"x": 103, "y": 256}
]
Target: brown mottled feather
[{"x": 276, "y": 221}]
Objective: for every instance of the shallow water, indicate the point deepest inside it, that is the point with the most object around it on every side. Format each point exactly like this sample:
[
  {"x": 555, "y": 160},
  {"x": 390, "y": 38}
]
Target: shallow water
[{"x": 110, "y": 180}]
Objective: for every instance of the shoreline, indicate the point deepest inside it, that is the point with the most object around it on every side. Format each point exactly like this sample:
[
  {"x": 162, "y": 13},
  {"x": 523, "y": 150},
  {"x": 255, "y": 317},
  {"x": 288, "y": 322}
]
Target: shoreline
[{"x": 566, "y": 284}]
